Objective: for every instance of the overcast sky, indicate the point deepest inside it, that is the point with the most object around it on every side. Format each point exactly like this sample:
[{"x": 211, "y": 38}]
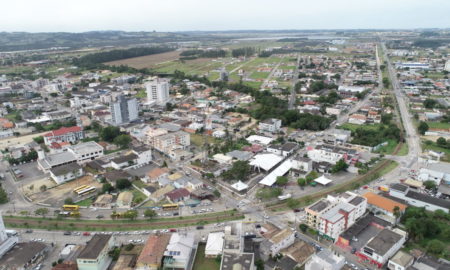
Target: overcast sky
[{"x": 182, "y": 15}]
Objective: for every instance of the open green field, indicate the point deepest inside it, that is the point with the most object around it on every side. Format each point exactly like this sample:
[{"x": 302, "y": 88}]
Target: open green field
[
  {"x": 197, "y": 140},
  {"x": 389, "y": 148},
  {"x": 438, "y": 125},
  {"x": 85, "y": 203},
  {"x": 353, "y": 127},
  {"x": 202, "y": 263},
  {"x": 259, "y": 75},
  {"x": 433, "y": 146}
]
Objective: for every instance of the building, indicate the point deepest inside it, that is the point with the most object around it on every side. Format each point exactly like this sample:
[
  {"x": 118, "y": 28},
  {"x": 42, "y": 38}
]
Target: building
[
  {"x": 383, "y": 207},
  {"x": 271, "y": 125},
  {"x": 86, "y": 151},
  {"x": 237, "y": 261},
  {"x": 124, "y": 110},
  {"x": 436, "y": 172},
  {"x": 383, "y": 246},
  {"x": 64, "y": 134},
  {"x": 6, "y": 242},
  {"x": 301, "y": 166},
  {"x": 64, "y": 173},
  {"x": 333, "y": 215},
  {"x": 400, "y": 261},
  {"x": 177, "y": 195},
  {"x": 276, "y": 240},
  {"x": 214, "y": 244},
  {"x": 300, "y": 252},
  {"x": 417, "y": 199},
  {"x": 284, "y": 150},
  {"x": 24, "y": 256},
  {"x": 158, "y": 91},
  {"x": 124, "y": 200},
  {"x": 167, "y": 142},
  {"x": 325, "y": 260},
  {"x": 95, "y": 256},
  {"x": 332, "y": 154},
  {"x": 152, "y": 254},
  {"x": 178, "y": 251}
]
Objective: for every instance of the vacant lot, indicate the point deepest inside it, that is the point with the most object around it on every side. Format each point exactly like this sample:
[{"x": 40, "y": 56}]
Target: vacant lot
[{"x": 148, "y": 61}]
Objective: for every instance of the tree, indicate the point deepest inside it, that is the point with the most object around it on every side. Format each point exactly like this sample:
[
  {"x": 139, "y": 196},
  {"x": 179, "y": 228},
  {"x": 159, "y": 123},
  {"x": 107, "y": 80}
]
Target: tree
[
  {"x": 239, "y": 171},
  {"x": 122, "y": 140},
  {"x": 282, "y": 180},
  {"x": 339, "y": 166},
  {"x": 41, "y": 212},
  {"x": 217, "y": 193},
  {"x": 39, "y": 139},
  {"x": 429, "y": 184},
  {"x": 397, "y": 212},
  {"x": 3, "y": 196},
  {"x": 292, "y": 203},
  {"x": 109, "y": 133},
  {"x": 301, "y": 182},
  {"x": 131, "y": 214},
  {"x": 68, "y": 201},
  {"x": 259, "y": 264},
  {"x": 43, "y": 188},
  {"x": 436, "y": 246},
  {"x": 303, "y": 227},
  {"x": 441, "y": 142},
  {"x": 150, "y": 213},
  {"x": 429, "y": 103},
  {"x": 123, "y": 184},
  {"x": 423, "y": 127},
  {"x": 107, "y": 188}
]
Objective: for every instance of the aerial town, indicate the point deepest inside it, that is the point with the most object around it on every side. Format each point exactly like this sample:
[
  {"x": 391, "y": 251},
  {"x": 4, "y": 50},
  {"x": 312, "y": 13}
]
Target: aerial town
[{"x": 246, "y": 150}]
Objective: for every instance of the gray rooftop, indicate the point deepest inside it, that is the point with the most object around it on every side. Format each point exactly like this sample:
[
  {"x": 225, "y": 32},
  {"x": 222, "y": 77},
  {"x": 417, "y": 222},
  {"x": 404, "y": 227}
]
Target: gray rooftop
[
  {"x": 65, "y": 169},
  {"x": 230, "y": 259},
  {"x": 384, "y": 241},
  {"x": 94, "y": 246}
]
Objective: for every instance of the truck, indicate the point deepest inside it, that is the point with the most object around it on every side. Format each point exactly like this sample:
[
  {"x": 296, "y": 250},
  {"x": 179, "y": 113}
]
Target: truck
[
  {"x": 284, "y": 197},
  {"x": 383, "y": 188}
]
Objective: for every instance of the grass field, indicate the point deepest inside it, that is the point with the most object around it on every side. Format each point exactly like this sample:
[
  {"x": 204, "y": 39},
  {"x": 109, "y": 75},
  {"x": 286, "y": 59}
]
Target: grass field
[
  {"x": 86, "y": 202},
  {"x": 435, "y": 147},
  {"x": 197, "y": 140},
  {"x": 438, "y": 125},
  {"x": 202, "y": 263},
  {"x": 148, "y": 61},
  {"x": 389, "y": 148},
  {"x": 259, "y": 75},
  {"x": 353, "y": 127}
]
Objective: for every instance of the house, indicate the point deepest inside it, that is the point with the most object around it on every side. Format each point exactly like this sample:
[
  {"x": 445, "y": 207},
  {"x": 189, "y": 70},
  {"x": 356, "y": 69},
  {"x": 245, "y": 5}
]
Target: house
[
  {"x": 214, "y": 244},
  {"x": 240, "y": 155},
  {"x": 271, "y": 125},
  {"x": 383, "y": 207},
  {"x": 417, "y": 199},
  {"x": 260, "y": 140},
  {"x": 338, "y": 136},
  {"x": 357, "y": 119},
  {"x": 64, "y": 134},
  {"x": 103, "y": 201},
  {"x": 124, "y": 199},
  {"x": 383, "y": 246},
  {"x": 300, "y": 252},
  {"x": 194, "y": 183},
  {"x": 177, "y": 195},
  {"x": 400, "y": 261},
  {"x": 436, "y": 172},
  {"x": 284, "y": 150},
  {"x": 430, "y": 263},
  {"x": 144, "y": 155},
  {"x": 276, "y": 241},
  {"x": 178, "y": 251},
  {"x": 301, "y": 165},
  {"x": 152, "y": 254},
  {"x": 95, "y": 256},
  {"x": 126, "y": 161},
  {"x": 66, "y": 173},
  {"x": 325, "y": 260},
  {"x": 156, "y": 174},
  {"x": 222, "y": 159},
  {"x": 114, "y": 175},
  {"x": 148, "y": 190}
]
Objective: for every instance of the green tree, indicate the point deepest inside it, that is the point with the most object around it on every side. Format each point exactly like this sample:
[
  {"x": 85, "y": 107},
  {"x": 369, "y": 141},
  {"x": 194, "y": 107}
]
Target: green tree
[
  {"x": 423, "y": 127},
  {"x": 39, "y": 139},
  {"x": 150, "y": 213},
  {"x": 429, "y": 103},
  {"x": 292, "y": 203},
  {"x": 217, "y": 193},
  {"x": 41, "y": 212},
  {"x": 435, "y": 246},
  {"x": 311, "y": 176},
  {"x": 43, "y": 188},
  {"x": 107, "y": 188},
  {"x": 68, "y": 201},
  {"x": 303, "y": 227},
  {"x": 339, "y": 166},
  {"x": 441, "y": 142},
  {"x": 429, "y": 184},
  {"x": 123, "y": 141},
  {"x": 123, "y": 184},
  {"x": 239, "y": 171},
  {"x": 397, "y": 212},
  {"x": 259, "y": 264},
  {"x": 3, "y": 196},
  {"x": 131, "y": 214},
  {"x": 109, "y": 133},
  {"x": 301, "y": 182},
  {"x": 282, "y": 180}
]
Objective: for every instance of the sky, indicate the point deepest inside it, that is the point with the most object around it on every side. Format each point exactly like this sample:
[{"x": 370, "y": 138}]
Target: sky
[{"x": 192, "y": 15}]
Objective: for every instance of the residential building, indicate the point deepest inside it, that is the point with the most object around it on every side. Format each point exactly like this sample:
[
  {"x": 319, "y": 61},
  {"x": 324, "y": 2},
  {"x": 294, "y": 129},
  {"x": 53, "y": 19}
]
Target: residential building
[
  {"x": 333, "y": 215},
  {"x": 165, "y": 143},
  {"x": 64, "y": 173},
  {"x": 64, "y": 134},
  {"x": 332, "y": 154},
  {"x": 325, "y": 260},
  {"x": 156, "y": 174},
  {"x": 95, "y": 256},
  {"x": 178, "y": 195},
  {"x": 383, "y": 207},
  {"x": 300, "y": 252},
  {"x": 383, "y": 246},
  {"x": 124, "y": 110},
  {"x": 127, "y": 161},
  {"x": 400, "y": 261},
  {"x": 418, "y": 199},
  {"x": 234, "y": 261},
  {"x": 6, "y": 242},
  {"x": 276, "y": 240},
  {"x": 178, "y": 251},
  {"x": 284, "y": 150},
  {"x": 271, "y": 125},
  {"x": 152, "y": 254},
  {"x": 214, "y": 244},
  {"x": 357, "y": 119},
  {"x": 158, "y": 91}
]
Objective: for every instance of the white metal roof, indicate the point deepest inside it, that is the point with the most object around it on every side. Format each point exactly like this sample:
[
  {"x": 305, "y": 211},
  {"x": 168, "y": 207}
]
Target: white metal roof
[
  {"x": 323, "y": 180},
  {"x": 239, "y": 186},
  {"x": 281, "y": 170},
  {"x": 259, "y": 139},
  {"x": 265, "y": 161},
  {"x": 214, "y": 244}
]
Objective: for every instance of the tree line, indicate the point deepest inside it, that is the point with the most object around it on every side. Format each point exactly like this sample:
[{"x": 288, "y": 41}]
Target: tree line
[{"x": 194, "y": 54}]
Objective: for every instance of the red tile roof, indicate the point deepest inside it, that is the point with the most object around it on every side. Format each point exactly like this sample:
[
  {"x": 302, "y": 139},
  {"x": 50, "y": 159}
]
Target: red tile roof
[
  {"x": 177, "y": 194},
  {"x": 63, "y": 130}
]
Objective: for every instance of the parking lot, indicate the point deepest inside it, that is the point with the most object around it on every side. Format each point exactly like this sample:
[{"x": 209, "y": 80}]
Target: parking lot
[{"x": 30, "y": 172}]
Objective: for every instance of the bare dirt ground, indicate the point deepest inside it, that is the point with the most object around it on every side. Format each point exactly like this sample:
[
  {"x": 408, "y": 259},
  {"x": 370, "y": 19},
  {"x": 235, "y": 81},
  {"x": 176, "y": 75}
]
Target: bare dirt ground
[
  {"x": 147, "y": 61},
  {"x": 12, "y": 141},
  {"x": 56, "y": 196}
]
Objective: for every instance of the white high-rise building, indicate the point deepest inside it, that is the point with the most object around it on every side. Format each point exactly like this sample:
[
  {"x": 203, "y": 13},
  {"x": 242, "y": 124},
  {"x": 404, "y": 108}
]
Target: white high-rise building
[
  {"x": 6, "y": 242},
  {"x": 124, "y": 110},
  {"x": 158, "y": 91},
  {"x": 447, "y": 66}
]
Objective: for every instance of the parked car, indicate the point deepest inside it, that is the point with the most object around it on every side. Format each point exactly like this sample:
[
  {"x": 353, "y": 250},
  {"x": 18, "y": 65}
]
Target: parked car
[
  {"x": 86, "y": 233},
  {"x": 67, "y": 233}
]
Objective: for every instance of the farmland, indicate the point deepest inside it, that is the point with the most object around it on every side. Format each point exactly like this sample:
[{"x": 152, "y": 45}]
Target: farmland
[{"x": 148, "y": 61}]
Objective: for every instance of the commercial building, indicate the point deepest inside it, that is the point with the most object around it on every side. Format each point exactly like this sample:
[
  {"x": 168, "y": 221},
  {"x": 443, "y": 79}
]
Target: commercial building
[
  {"x": 85, "y": 152},
  {"x": 158, "y": 91},
  {"x": 95, "y": 256},
  {"x": 325, "y": 260},
  {"x": 417, "y": 199},
  {"x": 124, "y": 110},
  {"x": 24, "y": 256},
  {"x": 66, "y": 173},
  {"x": 333, "y": 215},
  {"x": 276, "y": 239},
  {"x": 384, "y": 207},
  {"x": 153, "y": 252},
  {"x": 332, "y": 154},
  {"x": 64, "y": 134},
  {"x": 436, "y": 172},
  {"x": 241, "y": 261},
  {"x": 400, "y": 261}
]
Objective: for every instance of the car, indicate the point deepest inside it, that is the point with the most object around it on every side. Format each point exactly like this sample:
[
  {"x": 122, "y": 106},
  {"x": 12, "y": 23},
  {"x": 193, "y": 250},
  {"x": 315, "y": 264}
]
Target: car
[
  {"x": 353, "y": 250},
  {"x": 86, "y": 233},
  {"x": 67, "y": 233},
  {"x": 257, "y": 226},
  {"x": 28, "y": 231},
  {"x": 296, "y": 210},
  {"x": 200, "y": 227},
  {"x": 173, "y": 230}
]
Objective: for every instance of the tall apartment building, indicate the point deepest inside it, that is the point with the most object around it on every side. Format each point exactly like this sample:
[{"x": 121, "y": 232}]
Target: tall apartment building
[
  {"x": 158, "y": 91},
  {"x": 333, "y": 215},
  {"x": 167, "y": 142},
  {"x": 124, "y": 110}
]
